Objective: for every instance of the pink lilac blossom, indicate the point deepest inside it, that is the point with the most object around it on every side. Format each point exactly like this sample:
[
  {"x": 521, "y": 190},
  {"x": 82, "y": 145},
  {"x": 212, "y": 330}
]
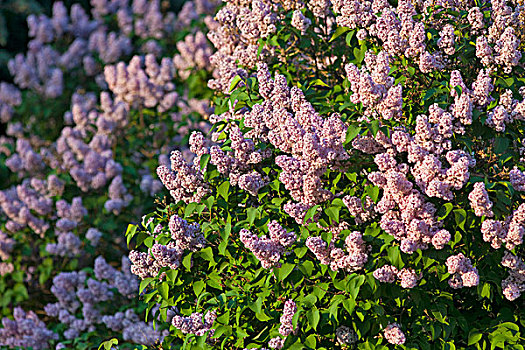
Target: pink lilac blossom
[
  {"x": 394, "y": 335},
  {"x": 289, "y": 310},
  {"x": 480, "y": 201},
  {"x": 300, "y": 21},
  {"x": 268, "y": 250},
  {"x": 185, "y": 236},
  {"x": 517, "y": 179},
  {"x": 514, "y": 284},
  {"x": 235, "y": 34},
  {"x": 185, "y": 182},
  {"x": 194, "y": 53},
  {"x": 143, "y": 82},
  {"x": 10, "y": 97},
  {"x": 353, "y": 259},
  {"x": 510, "y": 232},
  {"x": 196, "y": 323},
  {"x": 462, "y": 271}
]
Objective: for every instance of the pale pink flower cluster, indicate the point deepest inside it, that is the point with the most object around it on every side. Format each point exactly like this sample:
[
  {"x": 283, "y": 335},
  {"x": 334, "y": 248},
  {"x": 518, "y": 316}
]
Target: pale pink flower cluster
[
  {"x": 300, "y": 21},
  {"x": 514, "y": 284},
  {"x": 480, "y": 201},
  {"x": 194, "y": 53},
  {"x": 372, "y": 86},
  {"x": 143, "y": 83},
  {"x": 406, "y": 214},
  {"x": 353, "y": 259},
  {"x": 185, "y": 236},
  {"x": 196, "y": 323},
  {"x": 507, "y": 49},
  {"x": 268, "y": 250},
  {"x": 462, "y": 271},
  {"x": 395, "y": 27},
  {"x": 447, "y": 39},
  {"x": 289, "y": 122},
  {"x": 517, "y": 179},
  {"x": 289, "y": 311},
  {"x": 389, "y": 274},
  {"x": 238, "y": 163},
  {"x": 10, "y": 97},
  {"x": 362, "y": 212},
  {"x": 235, "y": 33},
  {"x": 510, "y": 232},
  {"x": 475, "y": 18},
  {"x": 184, "y": 181},
  {"x": 394, "y": 335}
]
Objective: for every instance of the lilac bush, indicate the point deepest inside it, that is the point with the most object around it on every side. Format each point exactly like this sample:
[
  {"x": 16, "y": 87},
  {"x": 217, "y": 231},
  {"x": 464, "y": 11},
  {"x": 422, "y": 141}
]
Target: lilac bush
[{"x": 365, "y": 164}]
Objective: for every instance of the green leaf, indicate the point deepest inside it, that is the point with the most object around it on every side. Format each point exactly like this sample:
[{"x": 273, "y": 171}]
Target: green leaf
[
  {"x": 284, "y": 271},
  {"x": 205, "y": 158},
  {"x": 374, "y": 127},
  {"x": 235, "y": 81},
  {"x": 130, "y": 232},
  {"x": 349, "y": 37},
  {"x": 501, "y": 144},
  {"x": 164, "y": 290},
  {"x": 144, "y": 283},
  {"x": 108, "y": 344},
  {"x": 313, "y": 317},
  {"x": 198, "y": 287},
  {"x": 460, "y": 216},
  {"x": 333, "y": 213},
  {"x": 338, "y": 32},
  {"x": 474, "y": 337},
  {"x": 445, "y": 210},
  {"x": 310, "y": 213},
  {"x": 351, "y": 133},
  {"x": 224, "y": 189}
]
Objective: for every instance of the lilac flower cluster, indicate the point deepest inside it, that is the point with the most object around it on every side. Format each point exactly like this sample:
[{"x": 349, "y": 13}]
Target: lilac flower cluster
[
  {"x": 71, "y": 215},
  {"x": 462, "y": 271},
  {"x": 394, "y": 335},
  {"x": 388, "y": 274},
  {"x": 235, "y": 33},
  {"x": 354, "y": 259},
  {"x": 196, "y": 323},
  {"x": 10, "y": 97},
  {"x": 81, "y": 301},
  {"x": 510, "y": 231},
  {"x": 132, "y": 328},
  {"x": 185, "y": 182},
  {"x": 517, "y": 179},
  {"x": 514, "y": 284},
  {"x": 194, "y": 53},
  {"x": 286, "y": 327},
  {"x": 362, "y": 212},
  {"x": 268, "y": 250},
  {"x": 143, "y": 83},
  {"x": 314, "y": 143},
  {"x": 184, "y": 236},
  {"x": 479, "y": 200},
  {"x": 26, "y": 330},
  {"x": 372, "y": 86}
]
